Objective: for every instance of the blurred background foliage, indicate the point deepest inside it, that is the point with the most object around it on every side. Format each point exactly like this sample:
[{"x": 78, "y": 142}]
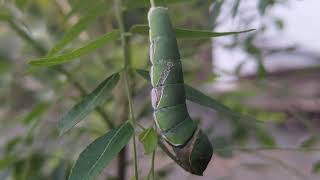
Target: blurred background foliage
[{"x": 33, "y": 99}]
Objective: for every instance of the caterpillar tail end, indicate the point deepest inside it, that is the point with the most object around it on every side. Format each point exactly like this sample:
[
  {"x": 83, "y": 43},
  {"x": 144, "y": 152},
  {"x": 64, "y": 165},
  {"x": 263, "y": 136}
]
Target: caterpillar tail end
[{"x": 196, "y": 154}]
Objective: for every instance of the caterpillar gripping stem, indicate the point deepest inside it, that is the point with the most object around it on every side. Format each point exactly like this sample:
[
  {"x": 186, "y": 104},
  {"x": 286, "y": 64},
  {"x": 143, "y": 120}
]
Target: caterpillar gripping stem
[{"x": 191, "y": 146}]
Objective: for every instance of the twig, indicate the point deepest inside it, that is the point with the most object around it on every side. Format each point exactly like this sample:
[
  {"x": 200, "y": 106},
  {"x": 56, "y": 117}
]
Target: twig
[
  {"x": 126, "y": 54},
  {"x": 42, "y": 51}
]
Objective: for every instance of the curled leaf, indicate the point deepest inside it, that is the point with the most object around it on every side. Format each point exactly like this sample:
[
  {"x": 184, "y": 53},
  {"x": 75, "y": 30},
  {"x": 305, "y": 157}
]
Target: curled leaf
[{"x": 149, "y": 139}]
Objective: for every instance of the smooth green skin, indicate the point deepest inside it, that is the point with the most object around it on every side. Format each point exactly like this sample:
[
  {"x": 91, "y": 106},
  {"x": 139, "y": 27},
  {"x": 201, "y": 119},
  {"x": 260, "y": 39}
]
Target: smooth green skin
[
  {"x": 192, "y": 147},
  {"x": 168, "y": 95},
  {"x": 170, "y": 116},
  {"x": 167, "y": 80}
]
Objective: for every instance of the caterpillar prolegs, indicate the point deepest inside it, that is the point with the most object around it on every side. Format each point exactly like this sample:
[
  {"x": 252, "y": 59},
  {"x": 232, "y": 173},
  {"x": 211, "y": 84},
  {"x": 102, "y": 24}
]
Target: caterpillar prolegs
[{"x": 190, "y": 144}]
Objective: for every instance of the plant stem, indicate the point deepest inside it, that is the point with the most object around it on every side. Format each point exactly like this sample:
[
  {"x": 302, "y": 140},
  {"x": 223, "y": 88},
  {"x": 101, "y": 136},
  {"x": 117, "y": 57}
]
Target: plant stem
[
  {"x": 152, "y": 164},
  {"x": 122, "y": 165},
  {"x": 126, "y": 54},
  {"x": 153, "y": 4}
]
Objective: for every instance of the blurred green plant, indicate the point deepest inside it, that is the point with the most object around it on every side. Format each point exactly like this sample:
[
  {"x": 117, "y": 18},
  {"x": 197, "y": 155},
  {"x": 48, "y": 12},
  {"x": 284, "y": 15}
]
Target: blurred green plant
[{"x": 116, "y": 99}]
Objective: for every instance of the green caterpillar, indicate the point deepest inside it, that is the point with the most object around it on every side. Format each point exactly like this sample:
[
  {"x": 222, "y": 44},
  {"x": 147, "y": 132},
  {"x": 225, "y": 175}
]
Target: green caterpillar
[{"x": 191, "y": 146}]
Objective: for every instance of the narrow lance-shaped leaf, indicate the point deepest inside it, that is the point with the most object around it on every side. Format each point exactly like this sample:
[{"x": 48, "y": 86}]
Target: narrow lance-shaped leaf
[
  {"x": 144, "y": 74},
  {"x": 149, "y": 139},
  {"x": 88, "y": 48},
  {"x": 7, "y": 161},
  {"x": 186, "y": 33},
  {"x": 88, "y": 104},
  {"x": 197, "y": 34},
  {"x": 99, "y": 153},
  {"x": 85, "y": 6},
  {"x": 309, "y": 142},
  {"x": 264, "y": 4},
  {"x": 316, "y": 167},
  {"x": 22, "y": 31},
  {"x": 215, "y": 11},
  {"x": 78, "y": 28},
  {"x": 235, "y": 8},
  {"x": 36, "y": 112},
  {"x": 5, "y": 17},
  {"x": 222, "y": 147},
  {"x": 204, "y": 100},
  {"x": 264, "y": 137},
  {"x": 21, "y": 3}
]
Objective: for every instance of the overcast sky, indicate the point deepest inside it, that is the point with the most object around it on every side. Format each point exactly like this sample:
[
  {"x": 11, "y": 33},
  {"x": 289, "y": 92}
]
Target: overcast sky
[
  {"x": 302, "y": 28},
  {"x": 302, "y": 19}
]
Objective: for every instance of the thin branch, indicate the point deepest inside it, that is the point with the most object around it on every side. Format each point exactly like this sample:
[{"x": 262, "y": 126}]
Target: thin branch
[
  {"x": 42, "y": 51},
  {"x": 126, "y": 54}
]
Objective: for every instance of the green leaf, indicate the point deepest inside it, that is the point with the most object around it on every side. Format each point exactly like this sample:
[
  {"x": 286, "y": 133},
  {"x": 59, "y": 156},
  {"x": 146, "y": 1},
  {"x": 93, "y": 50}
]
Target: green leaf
[
  {"x": 146, "y": 3},
  {"x": 265, "y": 138},
  {"x": 99, "y": 153},
  {"x": 186, "y": 33},
  {"x": 142, "y": 29},
  {"x": 222, "y": 147},
  {"x": 214, "y": 12},
  {"x": 316, "y": 167},
  {"x": 12, "y": 143},
  {"x": 36, "y": 112},
  {"x": 144, "y": 74},
  {"x": 309, "y": 143},
  {"x": 78, "y": 28},
  {"x": 5, "y": 66},
  {"x": 204, "y": 100},
  {"x": 149, "y": 139},
  {"x": 88, "y": 104},
  {"x": 264, "y": 4},
  {"x": 235, "y": 8},
  {"x": 88, "y": 48},
  {"x": 84, "y": 6},
  {"x": 198, "y": 34},
  {"x": 5, "y": 16},
  {"x": 21, "y": 3},
  {"x": 7, "y": 161}
]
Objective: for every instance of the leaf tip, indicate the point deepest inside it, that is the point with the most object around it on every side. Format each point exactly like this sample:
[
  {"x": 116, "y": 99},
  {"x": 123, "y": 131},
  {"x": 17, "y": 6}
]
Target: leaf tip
[
  {"x": 249, "y": 30},
  {"x": 35, "y": 63},
  {"x": 62, "y": 128}
]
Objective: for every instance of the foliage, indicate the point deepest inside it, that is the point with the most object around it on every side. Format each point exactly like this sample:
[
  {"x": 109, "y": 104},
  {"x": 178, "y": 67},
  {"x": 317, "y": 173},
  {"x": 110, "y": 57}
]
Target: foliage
[
  {"x": 113, "y": 98},
  {"x": 149, "y": 139}
]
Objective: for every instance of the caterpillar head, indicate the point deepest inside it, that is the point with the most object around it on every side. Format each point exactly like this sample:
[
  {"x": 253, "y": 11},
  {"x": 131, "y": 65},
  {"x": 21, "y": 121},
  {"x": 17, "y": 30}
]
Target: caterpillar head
[{"x": 196, "y": 154}]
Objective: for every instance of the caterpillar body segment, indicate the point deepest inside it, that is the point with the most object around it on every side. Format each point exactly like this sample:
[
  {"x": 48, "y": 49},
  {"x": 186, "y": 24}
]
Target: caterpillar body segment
[{"x": 191, "y": 146}]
